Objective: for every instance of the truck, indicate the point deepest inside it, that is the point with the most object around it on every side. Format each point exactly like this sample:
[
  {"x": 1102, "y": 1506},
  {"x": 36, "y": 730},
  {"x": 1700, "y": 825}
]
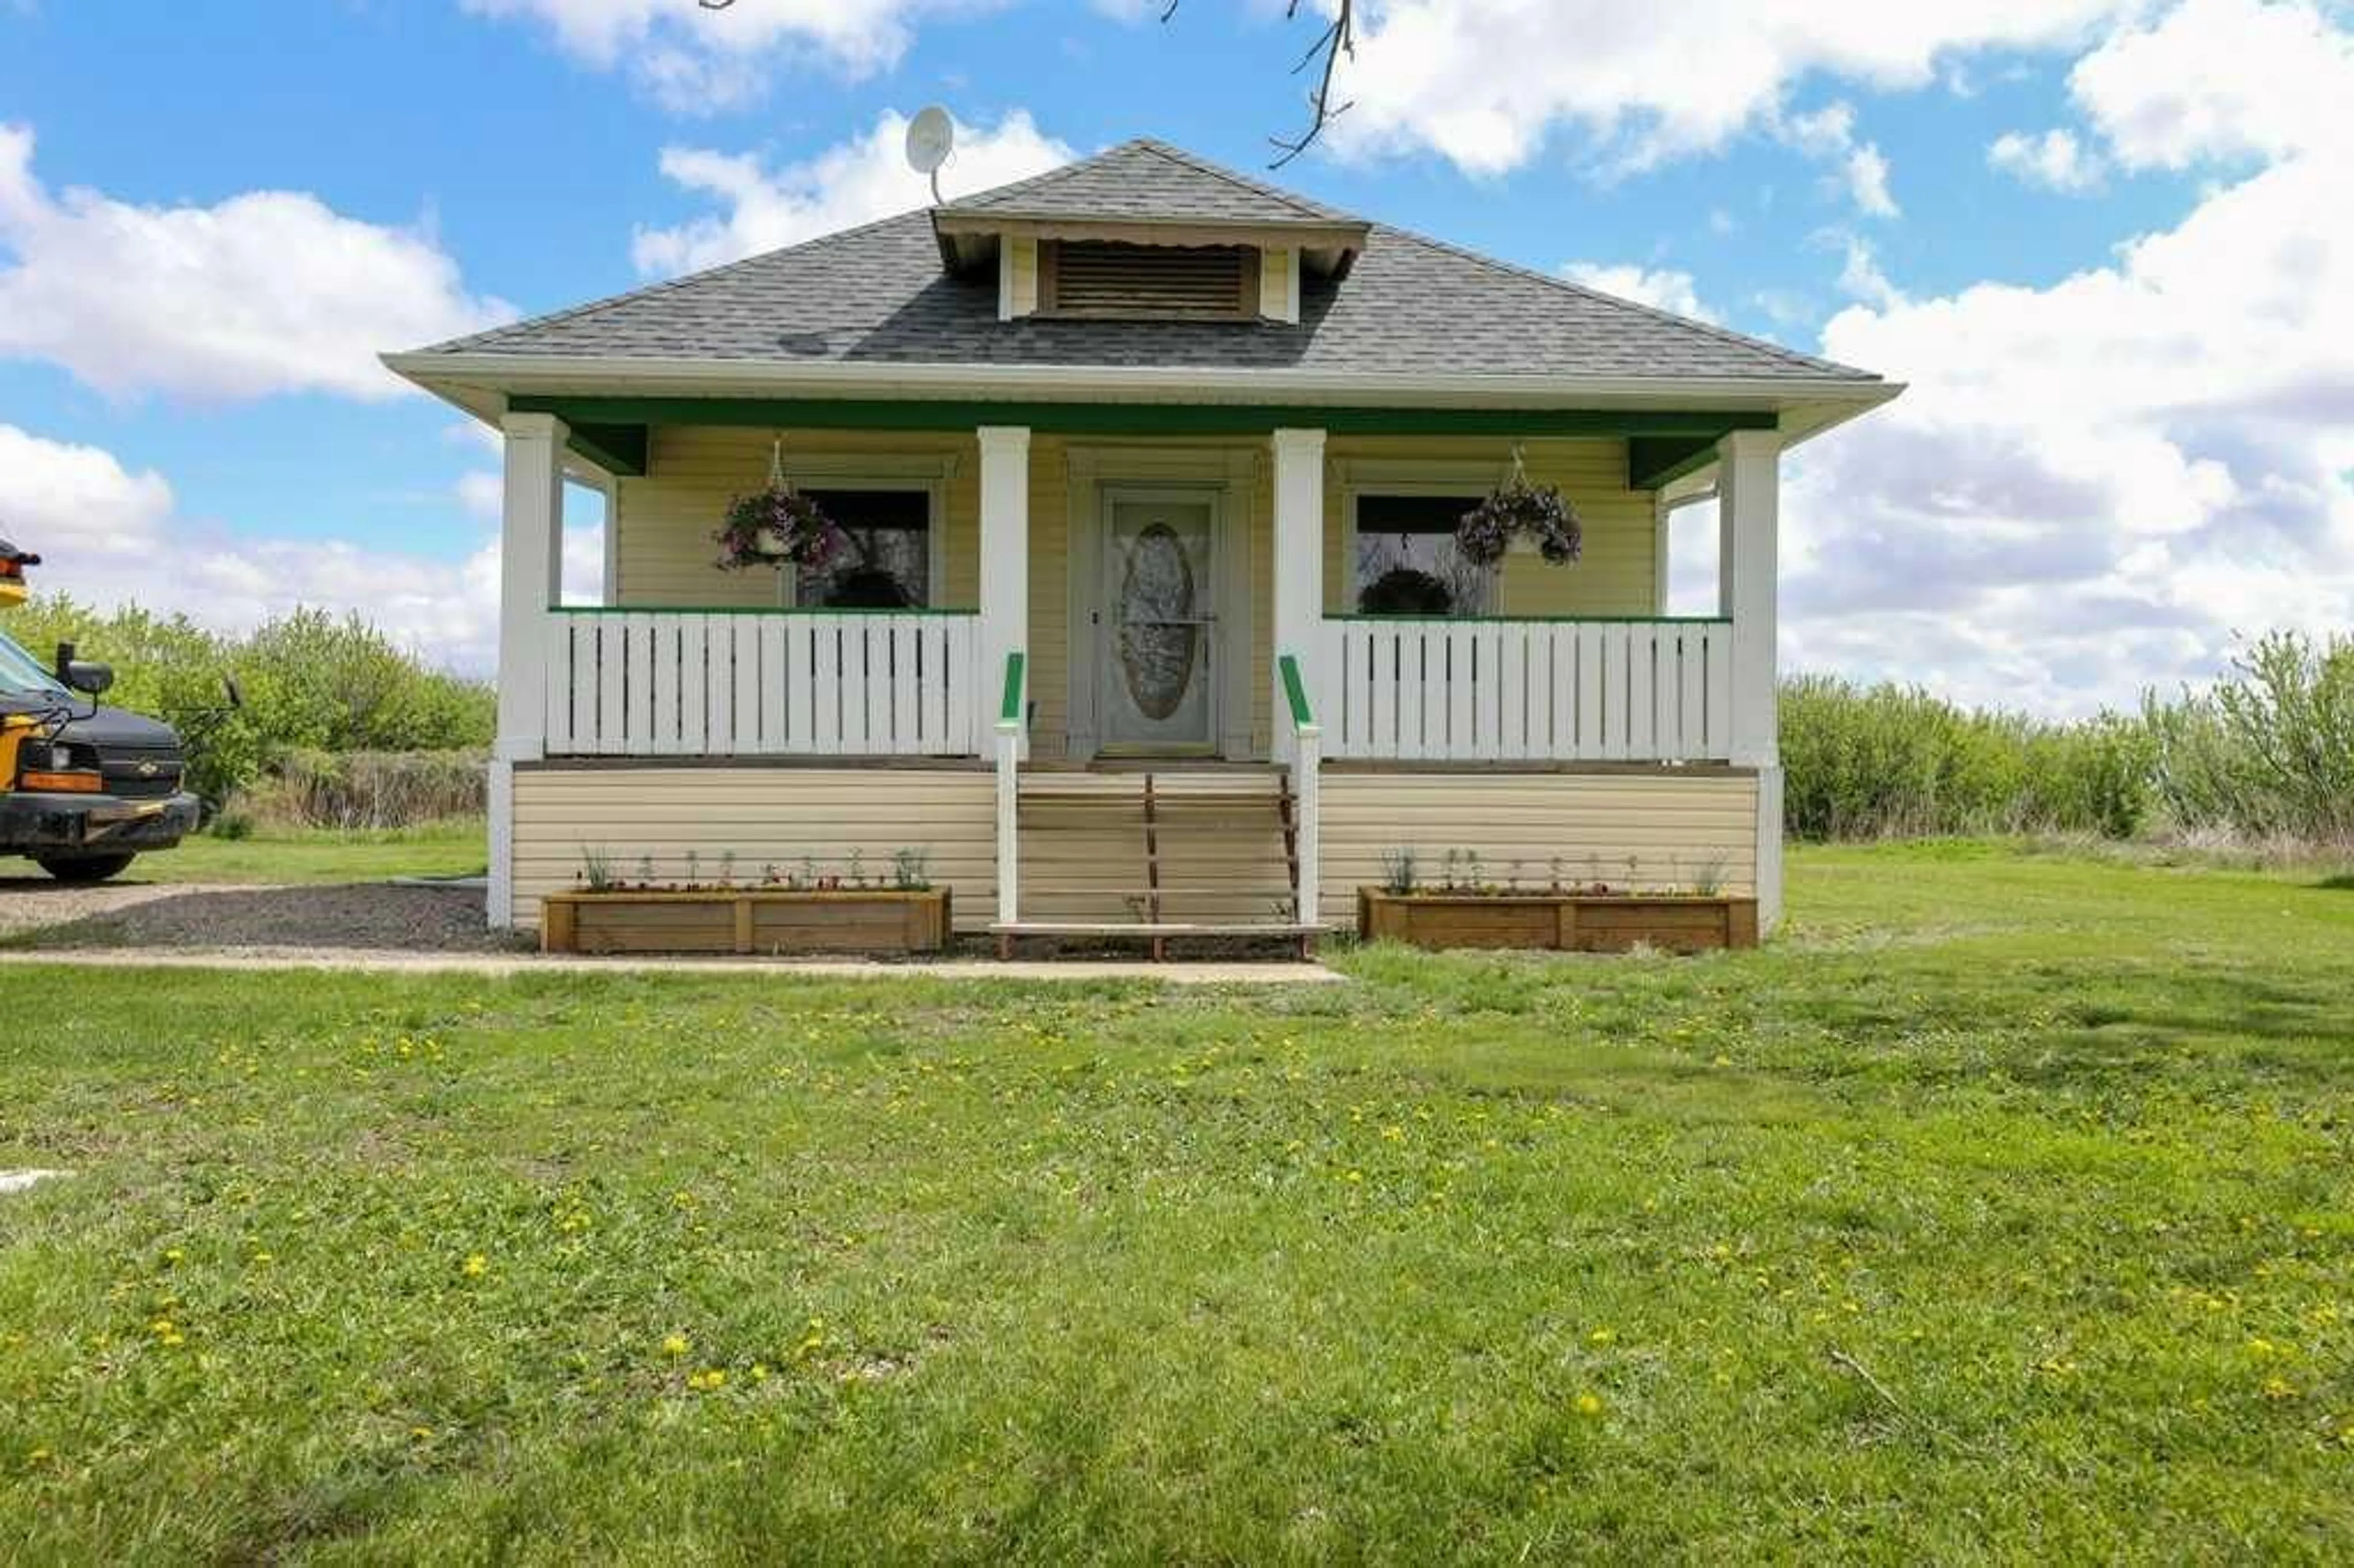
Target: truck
[{"x": 84, "y": 790}]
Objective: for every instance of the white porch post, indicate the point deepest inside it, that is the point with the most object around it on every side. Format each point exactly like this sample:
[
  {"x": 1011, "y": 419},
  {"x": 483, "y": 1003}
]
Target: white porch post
[
  {"x": 1004, "y": 630},
  {"x": 1299, "y": 567},
  {"x": 1004, "y": 566},
  {"x": 531, "y": 558},
  {"x": 1749, "y": 488}
]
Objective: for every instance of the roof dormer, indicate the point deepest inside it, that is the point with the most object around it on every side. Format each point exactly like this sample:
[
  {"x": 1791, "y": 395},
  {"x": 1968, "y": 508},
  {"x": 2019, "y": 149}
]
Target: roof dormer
[{"x": 1145, "y": 233}]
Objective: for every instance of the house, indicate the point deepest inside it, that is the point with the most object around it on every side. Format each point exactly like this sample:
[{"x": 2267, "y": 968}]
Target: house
[{"x": 1156, "y": 613}]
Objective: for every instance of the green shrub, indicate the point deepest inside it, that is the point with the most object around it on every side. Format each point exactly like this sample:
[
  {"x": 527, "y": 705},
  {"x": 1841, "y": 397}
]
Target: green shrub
[
  {"x": 310, "y": 681},
  {"x": 2269, "y": 751},
  {"x": 1887, "y": 760}
]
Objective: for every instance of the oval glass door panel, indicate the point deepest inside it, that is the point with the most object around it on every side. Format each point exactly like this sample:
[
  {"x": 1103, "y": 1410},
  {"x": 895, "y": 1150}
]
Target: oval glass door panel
[
  {"x": 1159, "y": 621},
  {"x": 1157, "y": 630}
]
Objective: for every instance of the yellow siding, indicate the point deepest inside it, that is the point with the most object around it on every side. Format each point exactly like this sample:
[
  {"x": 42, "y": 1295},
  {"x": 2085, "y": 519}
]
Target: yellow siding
[
  {"x": 768, "y": 816},
  {"x": 1619, "y": 574},
  {"x": 1050, "y": 614},
  {"x": 1647, "y": 830},
  {"x": 663, "y": 522},
  {"x": 1274, "y": 284},
  {"x": 1023, "y": 256}
]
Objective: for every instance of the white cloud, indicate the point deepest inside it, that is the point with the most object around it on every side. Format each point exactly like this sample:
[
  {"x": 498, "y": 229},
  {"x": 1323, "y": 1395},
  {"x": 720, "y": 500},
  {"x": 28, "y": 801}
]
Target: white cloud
[
  {"x": 2055, "y": 161},
  {"x": 851, "y": 183},
  {"x": 482, "y": 493},
  {"x": 1662, "y": 287},
  {"x": 1828, "y": 133},
  {"x": 2091, "y": 486},
  {"x": 2219, "y": 80},
  {"x": 693, "y": 60},
  {"x": 109, "y": 537},
  {"x": 1484, "y": 82},
  {"x": 266, "y": 293}
]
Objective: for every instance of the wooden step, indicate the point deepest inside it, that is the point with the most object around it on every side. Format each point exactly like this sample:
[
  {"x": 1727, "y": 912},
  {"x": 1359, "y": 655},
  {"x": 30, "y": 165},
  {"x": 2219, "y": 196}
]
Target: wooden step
[{"x": 1157, "y": 933}]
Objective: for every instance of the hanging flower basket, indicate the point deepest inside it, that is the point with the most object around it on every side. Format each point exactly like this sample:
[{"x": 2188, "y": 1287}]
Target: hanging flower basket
[
  {"x": 775, "y": 527},
  {"x": 1520, "y": 510},
  {"x": 1515, "y": 511}
]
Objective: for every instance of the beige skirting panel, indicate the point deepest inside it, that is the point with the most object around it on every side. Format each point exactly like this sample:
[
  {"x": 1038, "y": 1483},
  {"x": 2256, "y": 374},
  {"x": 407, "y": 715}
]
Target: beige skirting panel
[
  {"x": 1645, "y": 830},
  {"x": 790, "y": 818}
]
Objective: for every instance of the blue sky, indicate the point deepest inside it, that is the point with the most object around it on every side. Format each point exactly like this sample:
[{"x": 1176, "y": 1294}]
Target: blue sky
[{"x": 2079, "y": 227}]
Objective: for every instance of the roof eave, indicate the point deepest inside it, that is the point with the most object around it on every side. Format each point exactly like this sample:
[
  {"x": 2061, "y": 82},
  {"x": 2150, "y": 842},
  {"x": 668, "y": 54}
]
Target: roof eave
[{"x": 475, "y": 381}]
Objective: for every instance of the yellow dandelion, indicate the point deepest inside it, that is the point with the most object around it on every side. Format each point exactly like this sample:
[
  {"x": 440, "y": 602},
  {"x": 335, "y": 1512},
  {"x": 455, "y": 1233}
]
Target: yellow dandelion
[
  {"x": 708, "y": 1380},
  {"x": 420, "y": 1432},
  {"x": 1589, "y": 1404},
  {"x": 1603, "y": 1337},
  {"x": 2278, "y": 1388},
  {"x": 476, "y": 1265},
  {"x": 173, "y": 1255},
  {"x": 675, "y": 1345},
  {"x": 260, "y": 1257},
  {"x": 759, "y": 1371}
]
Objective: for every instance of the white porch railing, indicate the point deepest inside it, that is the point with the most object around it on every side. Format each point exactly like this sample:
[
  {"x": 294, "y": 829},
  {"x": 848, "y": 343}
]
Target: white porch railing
[
  {"x": 1502, "y": 691},
  {"x": 727, "y": 683}
]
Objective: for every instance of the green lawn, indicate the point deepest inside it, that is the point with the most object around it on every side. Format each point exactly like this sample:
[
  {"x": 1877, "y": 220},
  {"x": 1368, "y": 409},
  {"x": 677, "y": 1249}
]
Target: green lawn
[
  {"x": 439, "y": 849},
  {"x": 2004, "y": 1211}
]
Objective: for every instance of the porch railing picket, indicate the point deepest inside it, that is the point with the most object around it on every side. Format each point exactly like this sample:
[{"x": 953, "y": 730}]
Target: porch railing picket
[
  {"x": 687, "y": 683},
  {"x": 1528, "y": 691}
]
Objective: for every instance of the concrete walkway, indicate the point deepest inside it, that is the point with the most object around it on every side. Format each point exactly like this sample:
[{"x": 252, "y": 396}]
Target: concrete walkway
[{"x": 503, "y": 964}]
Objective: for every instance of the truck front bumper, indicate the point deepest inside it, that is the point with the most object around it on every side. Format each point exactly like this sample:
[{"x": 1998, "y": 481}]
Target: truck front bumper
[{"x": 36, "y": 824}]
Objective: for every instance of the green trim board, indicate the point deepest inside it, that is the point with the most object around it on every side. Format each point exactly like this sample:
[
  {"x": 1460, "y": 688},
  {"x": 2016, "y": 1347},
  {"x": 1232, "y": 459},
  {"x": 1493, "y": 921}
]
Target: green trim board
[
  {"x": 619, "y": 450},
  {"x": 1010, "y": 710},
  {"x": 1656, "y": 460},
  {"x": 1138, "y": 419},
  {"x": 1295, "y": 693},
  {"x": 766, "y": 610}
]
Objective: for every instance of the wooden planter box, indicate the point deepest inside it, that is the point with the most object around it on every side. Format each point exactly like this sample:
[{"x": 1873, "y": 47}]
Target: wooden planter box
[
  {"x": 745, "y": 920},
  {"x": 1566, "y": 922}
]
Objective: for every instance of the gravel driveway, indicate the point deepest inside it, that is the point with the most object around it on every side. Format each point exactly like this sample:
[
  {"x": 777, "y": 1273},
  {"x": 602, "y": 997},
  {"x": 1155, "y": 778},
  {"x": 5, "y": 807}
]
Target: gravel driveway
[{"x": 35, "y": 911}]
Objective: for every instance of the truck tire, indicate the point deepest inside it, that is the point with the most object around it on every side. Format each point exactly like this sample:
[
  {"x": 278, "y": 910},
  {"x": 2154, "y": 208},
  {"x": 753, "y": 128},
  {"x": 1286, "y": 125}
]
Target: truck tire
[{"x": 84, "y": 868}]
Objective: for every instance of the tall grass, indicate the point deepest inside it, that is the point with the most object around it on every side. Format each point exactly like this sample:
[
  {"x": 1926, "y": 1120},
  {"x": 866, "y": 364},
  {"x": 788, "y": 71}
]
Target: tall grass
[
  {"x": 350, "y": 790},
  {"x": 2266, "y": 754}
]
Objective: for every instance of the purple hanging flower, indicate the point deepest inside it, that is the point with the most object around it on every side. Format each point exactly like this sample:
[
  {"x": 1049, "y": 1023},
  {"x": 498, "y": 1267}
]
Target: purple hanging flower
[
  {"x": 775, "y": 527},
  {"x": 1536, "y": 512}
]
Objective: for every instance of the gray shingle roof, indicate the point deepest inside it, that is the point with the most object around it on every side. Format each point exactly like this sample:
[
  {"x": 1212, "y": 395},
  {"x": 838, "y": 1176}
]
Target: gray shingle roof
[
  {"x": 1149, "y": 181},
  {"x": 878, "y": 295}
]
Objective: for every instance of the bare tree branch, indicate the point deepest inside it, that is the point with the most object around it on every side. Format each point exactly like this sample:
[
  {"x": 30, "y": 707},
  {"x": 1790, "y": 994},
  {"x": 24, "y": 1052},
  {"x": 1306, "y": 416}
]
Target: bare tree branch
[{"x": 1337, "y": 38}]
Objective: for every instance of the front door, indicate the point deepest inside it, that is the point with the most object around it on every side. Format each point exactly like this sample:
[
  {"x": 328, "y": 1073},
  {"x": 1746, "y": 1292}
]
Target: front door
[{"x": 1157, "y": 630}]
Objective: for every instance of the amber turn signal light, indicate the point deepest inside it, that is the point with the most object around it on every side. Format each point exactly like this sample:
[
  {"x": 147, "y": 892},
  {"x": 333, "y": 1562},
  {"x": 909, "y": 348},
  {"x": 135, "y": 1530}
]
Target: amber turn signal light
[{"x": 61, "y": 783}]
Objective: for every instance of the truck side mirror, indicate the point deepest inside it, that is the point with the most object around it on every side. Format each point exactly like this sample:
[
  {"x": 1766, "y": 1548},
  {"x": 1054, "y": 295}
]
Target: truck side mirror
[
  {"x": 84, "y": 675},
  {"x": 88, "y": 676}
]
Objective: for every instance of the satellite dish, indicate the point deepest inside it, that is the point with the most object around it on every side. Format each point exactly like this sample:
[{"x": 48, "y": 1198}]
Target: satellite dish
[{"x": 931, "y": 136}]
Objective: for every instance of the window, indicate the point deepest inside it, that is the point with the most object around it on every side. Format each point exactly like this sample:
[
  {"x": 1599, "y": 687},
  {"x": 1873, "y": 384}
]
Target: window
[
  {"x": 886, "y": 559},
  {"x": 1407, "y": 562}
]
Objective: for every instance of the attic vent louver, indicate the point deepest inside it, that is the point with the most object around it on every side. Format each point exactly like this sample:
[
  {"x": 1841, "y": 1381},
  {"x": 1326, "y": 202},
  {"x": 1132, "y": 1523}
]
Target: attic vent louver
[{"x": 1106, "y": 278}]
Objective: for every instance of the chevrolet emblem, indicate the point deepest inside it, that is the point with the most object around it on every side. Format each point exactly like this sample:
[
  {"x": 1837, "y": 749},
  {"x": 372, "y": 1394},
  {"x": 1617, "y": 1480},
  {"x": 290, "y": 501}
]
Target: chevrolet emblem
[{"x": 146, "y": 770}]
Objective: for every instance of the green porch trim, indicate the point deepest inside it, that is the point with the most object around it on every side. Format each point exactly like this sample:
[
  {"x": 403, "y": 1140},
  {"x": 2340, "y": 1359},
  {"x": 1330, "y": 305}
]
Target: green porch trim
[
  {"x": 1009, "y": 711},
  {"x": 1295, "y": 692},
  {"x": 1137, "y": 419},
  {"x": 772, "y": 610},
  {"x": 1653, "y": 462},
  {"x": 1535, "y": 619},
  {"x": 616, "y": 449}
]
